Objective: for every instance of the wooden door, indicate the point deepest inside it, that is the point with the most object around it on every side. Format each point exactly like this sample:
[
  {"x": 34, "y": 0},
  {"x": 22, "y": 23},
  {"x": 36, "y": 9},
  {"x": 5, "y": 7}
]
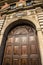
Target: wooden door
[{"x": 22, "y": 47}]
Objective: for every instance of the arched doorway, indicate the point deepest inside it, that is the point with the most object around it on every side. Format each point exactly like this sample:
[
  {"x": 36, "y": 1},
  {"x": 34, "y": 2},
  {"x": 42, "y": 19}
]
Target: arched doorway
[{"x": 22, "y": 47}]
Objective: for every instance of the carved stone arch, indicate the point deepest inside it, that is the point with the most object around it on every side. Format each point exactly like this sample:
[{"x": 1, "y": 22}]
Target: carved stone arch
[{"x": 8, "y": 29}]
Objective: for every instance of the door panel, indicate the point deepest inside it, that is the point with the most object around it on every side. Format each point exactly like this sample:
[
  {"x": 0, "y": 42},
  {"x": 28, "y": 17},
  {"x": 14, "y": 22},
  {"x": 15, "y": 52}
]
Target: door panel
[
  {"x": 33, "y": 49},
  {"x": 24, "y": 61},
  {"x": 24, "y": 39},
  {"x": 22, "y": 47},
  {"x": 16, "y": 62},
  {"x": 24, "y": 50},
  {"x": 7, "y": 61},
  {"x": 16, "y": 50},
  {"x": 8, "y": 50},
  {"x": 34, "y": 61},
  {"x": 17, "y": 39}
]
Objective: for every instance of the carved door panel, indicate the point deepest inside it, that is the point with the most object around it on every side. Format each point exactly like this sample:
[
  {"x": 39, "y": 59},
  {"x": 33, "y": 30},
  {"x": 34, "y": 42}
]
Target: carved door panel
[{"x": 22, "y": 47}]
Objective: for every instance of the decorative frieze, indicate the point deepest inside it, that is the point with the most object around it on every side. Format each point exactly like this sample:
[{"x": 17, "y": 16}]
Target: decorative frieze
[{"x": 21, "y": 14}]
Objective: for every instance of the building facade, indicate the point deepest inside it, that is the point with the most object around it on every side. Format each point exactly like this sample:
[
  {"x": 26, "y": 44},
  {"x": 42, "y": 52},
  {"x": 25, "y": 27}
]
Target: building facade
[{"x": 22, "y": 19}]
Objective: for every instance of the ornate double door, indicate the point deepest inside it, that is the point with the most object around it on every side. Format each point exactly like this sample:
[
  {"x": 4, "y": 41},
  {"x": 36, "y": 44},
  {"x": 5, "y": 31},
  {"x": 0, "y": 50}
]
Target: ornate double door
[{"x": 21, "y": 47}]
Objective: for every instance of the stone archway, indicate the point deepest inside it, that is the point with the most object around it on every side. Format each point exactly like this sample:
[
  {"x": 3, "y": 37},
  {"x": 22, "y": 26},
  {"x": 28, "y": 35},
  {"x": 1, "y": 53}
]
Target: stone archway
[{"x": 10, "y": 27}]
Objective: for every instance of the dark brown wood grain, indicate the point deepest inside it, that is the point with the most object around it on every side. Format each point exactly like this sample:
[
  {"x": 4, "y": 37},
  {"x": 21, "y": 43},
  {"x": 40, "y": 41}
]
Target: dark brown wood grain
[{"x": 22, "y": 47}]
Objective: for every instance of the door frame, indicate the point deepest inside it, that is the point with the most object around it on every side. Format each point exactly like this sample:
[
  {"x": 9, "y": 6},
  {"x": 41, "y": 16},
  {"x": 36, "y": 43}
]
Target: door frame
[{"x": 8, "y": 29}]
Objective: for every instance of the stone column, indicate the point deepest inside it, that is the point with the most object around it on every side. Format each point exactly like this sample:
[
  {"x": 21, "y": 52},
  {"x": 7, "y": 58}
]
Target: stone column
[{"x": 40, "y": 39}]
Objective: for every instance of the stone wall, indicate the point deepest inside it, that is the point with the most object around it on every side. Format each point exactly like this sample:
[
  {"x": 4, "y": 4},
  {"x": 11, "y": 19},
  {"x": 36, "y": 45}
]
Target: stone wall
[{"x": 30, "y": 15}]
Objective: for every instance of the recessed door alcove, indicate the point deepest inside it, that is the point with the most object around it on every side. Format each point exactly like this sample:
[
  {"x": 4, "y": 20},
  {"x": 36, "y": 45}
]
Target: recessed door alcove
[{"x": 21, "y": 46}]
